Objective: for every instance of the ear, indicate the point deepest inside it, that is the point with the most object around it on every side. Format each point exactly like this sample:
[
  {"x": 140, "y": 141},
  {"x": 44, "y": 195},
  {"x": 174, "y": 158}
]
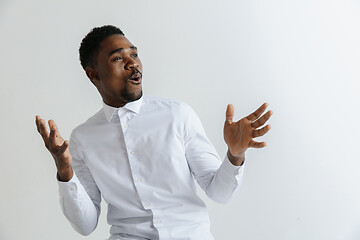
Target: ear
[{"x": 92, "y": 75}]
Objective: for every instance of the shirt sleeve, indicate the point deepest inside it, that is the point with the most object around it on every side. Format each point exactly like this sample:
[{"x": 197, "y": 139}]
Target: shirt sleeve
[
  {"x": 219, "y": 180},
  {"x": 80, "y": 197}
]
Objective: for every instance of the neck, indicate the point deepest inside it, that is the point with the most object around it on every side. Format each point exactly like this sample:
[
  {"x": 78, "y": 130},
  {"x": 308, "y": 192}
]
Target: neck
[{"x": 113, "y": 103}]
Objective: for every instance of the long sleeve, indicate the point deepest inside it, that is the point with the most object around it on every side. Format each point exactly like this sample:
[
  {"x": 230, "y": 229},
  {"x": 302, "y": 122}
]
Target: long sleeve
[
  {"x": 219, "y": 180},
  {"x": 80, "y": 197}
]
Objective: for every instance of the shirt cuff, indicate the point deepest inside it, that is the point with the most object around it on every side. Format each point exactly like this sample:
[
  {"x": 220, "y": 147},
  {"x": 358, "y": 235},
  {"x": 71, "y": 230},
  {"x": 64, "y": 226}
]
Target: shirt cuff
[
  {"x": 230, "y": 168},
  {"x": 69, "y": 188}
]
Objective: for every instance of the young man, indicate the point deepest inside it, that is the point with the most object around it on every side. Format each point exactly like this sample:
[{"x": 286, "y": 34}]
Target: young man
[{"x": 142, "y": 154}]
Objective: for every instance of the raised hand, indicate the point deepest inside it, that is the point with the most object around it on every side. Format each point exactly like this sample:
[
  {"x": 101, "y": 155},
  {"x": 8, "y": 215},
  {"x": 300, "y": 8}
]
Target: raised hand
[
  {"x": 239, "y": 136},
  {"x": 57, "y": 146}
]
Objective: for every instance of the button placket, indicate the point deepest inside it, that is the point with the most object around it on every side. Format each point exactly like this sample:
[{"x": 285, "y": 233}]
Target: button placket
[
  {"x": 157, "y": 221},
  {"x": 158, "y": 218},
  {"x": 147, "y": 204},
  {"x": 125, "y": 116},
  {"x": 123, "y": 119}
]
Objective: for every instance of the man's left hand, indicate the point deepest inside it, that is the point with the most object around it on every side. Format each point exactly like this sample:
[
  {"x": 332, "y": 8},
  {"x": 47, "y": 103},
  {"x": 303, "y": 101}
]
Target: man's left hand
[{"x": 239, "y": 136}]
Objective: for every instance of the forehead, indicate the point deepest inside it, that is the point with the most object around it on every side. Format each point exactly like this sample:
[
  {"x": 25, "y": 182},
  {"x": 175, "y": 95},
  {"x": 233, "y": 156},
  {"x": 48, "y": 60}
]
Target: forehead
[{"x": 113, "y": 42}]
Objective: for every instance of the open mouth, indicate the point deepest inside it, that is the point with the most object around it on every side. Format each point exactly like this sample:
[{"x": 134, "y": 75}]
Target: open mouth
[{"x": 135, "y": 78}]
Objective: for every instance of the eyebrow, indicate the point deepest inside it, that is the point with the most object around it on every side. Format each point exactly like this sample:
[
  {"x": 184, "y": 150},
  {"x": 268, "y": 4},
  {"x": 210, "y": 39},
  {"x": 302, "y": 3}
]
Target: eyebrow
[{"x": 121, "y": 49}]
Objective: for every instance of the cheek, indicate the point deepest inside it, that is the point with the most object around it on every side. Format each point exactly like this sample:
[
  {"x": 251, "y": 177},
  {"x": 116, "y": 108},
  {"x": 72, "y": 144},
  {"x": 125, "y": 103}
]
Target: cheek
[
  {"x": 114, "y": 74},
  {"x": 113, "y": 79},
  {"x": 114, "y": 87}
]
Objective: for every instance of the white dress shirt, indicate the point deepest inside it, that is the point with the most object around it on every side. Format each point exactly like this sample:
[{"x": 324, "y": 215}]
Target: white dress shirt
[{"x": 142, "y": 159}]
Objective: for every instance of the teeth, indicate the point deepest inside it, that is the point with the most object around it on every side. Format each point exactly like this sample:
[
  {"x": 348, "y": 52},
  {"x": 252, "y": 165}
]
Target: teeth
[{"x": 134, "y": 76}]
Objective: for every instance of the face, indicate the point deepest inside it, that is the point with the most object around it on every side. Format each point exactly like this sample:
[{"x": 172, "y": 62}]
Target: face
[{"x": 117, "y": 73}]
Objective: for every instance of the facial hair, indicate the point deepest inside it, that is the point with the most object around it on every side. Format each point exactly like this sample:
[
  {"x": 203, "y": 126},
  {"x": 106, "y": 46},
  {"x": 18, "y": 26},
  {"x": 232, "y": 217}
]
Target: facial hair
[{"x": 131, "y": 96}]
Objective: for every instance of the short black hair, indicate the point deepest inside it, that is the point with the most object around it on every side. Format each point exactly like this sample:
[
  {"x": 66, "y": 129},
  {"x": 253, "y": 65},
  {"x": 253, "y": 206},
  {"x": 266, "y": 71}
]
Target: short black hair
[{"x": 91, "y": 42}]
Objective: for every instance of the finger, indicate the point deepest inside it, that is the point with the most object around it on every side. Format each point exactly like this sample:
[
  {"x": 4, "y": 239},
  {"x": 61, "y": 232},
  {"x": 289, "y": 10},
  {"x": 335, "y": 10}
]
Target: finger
[
  {"x": 261, "y": 121},
  {"x": 229, "y": 114},
  {"x": 52, "y": 135},
  {"x": 254, "y": 144},
  {"x": 41, "y": 128},
  {"x": 262, "y": 131},
  {"x": 255, "y": 115},
  {"x": 63, "y": 147},
  {"x": 37, "y": 122},
  {"x": 53, "y": 126},
  {"x": 51, "y": 139}
]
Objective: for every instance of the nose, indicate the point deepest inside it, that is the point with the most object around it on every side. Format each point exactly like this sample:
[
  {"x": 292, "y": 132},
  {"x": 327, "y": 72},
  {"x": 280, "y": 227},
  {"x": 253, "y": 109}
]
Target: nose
[{"x": 131, "y": 64}]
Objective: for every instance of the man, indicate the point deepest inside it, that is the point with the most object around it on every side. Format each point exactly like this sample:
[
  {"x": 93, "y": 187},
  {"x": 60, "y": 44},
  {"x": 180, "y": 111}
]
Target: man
[{"x": 142, "y": 154}]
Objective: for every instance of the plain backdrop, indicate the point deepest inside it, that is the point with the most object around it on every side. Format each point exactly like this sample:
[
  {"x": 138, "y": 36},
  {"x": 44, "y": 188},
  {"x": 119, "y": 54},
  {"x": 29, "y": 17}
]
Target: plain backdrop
[{"x": 302, "y": 57}]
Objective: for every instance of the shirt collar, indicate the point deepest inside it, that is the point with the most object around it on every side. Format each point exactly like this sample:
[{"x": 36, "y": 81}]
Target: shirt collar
[{"x": 134, "y": 106}]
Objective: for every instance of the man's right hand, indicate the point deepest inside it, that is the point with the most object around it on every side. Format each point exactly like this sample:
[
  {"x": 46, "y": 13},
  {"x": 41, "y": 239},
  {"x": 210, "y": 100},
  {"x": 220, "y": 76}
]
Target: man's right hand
[{"x": 57, "y": 146}]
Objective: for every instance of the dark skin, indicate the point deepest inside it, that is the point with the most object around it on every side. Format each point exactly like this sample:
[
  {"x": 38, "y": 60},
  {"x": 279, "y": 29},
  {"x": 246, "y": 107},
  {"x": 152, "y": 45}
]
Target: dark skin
[
  {"x": 117, "y": 75},
  {"x": 239, "y": 136},
  {"x": 114, "y": 74}
]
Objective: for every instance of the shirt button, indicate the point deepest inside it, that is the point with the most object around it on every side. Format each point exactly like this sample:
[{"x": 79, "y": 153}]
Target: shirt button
[
  {"x": 132, "y": 152},
  {"x": 125, "y": 126},
  {"x": 157, "y": 221},
  {"x": 139, "y": 180},
  {"x": 72, "y": 189},
  {"x": 147, "y": 204}
]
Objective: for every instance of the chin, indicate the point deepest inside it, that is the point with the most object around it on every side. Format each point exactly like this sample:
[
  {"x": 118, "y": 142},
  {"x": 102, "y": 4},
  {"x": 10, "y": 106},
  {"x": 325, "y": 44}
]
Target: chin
[{"x": 130, "y": 97}]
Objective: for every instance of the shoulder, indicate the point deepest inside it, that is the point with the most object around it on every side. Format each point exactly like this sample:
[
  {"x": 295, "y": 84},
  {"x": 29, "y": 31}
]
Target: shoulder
[
  {"x": 159, "y": 103},
  {"x": 97, "y": 119}
]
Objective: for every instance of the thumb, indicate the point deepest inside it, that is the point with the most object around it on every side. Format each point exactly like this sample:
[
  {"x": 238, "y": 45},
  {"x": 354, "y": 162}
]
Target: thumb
[
  {"x": 63, "y": 147},
  {"x": 229, "y": 114}
]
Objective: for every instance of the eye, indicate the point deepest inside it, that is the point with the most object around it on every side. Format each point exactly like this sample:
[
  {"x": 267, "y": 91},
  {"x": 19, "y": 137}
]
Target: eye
[
  {"x": 135, "y": 55},
  {"x": 117, "y": 58}
]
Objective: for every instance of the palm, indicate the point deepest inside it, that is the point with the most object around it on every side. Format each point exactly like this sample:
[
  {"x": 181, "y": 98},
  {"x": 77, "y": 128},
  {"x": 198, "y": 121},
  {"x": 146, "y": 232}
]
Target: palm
[
  {"x": 56, "y": 145},
  {"x": 56, "y": 149},
  {"x": 239, "y": 135}
]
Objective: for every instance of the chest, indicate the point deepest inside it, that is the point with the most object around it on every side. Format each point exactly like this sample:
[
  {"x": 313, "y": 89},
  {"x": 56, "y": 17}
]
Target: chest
[{"x": 147, "y": 145}]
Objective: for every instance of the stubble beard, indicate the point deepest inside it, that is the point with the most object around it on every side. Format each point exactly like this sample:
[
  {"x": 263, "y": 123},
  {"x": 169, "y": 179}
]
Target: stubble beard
[{"x": 132, "y": 96}]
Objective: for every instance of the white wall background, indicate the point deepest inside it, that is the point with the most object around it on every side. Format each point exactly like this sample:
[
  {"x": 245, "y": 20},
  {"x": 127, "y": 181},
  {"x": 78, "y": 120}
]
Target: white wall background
[{"x": 302, "y": 57}]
